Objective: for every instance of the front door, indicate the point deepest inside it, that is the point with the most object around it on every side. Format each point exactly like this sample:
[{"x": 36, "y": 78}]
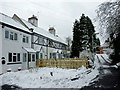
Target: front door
[
  {"x": 32, "y": 60},
  {"x": 24, "y": 64}
]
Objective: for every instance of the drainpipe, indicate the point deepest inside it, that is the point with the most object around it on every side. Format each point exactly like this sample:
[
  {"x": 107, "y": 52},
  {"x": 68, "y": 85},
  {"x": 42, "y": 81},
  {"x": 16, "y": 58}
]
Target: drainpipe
[
  {"x": 28, "y": 60},
  {"x": 47, "y": 49}
]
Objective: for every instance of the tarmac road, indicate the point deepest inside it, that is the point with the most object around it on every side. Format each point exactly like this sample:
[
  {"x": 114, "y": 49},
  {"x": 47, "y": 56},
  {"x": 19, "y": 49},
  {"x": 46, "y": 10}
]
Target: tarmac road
[{"x": 109, "y": 78}]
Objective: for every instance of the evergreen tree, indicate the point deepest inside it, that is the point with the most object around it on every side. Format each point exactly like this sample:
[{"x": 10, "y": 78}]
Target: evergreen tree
[
  {"x": 88, "y": 32},
  {"x": 84, "y": 31},
  {"x": 76, "y": 39},
  {"x": 91, "y": 31},
  {"x": 83, "y": 34}
]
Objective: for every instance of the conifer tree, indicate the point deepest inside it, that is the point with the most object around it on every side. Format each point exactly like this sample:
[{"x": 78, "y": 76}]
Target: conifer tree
[
  {"x": 83, "y": 34},
  {"x": 84, "y": 31},
  {"x": 91, "y": 31},
  {"x": 88, "y": 32},
  {"x": 75, "y": 42}
]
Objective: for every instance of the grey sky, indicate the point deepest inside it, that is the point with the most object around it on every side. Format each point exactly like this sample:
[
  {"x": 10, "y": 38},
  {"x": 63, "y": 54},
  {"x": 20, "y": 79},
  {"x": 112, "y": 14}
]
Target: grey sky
[{"x": 58, "y": 13}]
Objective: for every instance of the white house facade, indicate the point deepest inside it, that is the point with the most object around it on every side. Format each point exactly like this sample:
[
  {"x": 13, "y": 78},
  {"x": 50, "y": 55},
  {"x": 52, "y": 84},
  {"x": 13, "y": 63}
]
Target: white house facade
[{"x": 23, "y": 42}]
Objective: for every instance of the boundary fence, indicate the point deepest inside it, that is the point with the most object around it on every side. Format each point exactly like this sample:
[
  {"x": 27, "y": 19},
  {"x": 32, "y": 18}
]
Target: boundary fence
[{"x": 69, "y": 63}]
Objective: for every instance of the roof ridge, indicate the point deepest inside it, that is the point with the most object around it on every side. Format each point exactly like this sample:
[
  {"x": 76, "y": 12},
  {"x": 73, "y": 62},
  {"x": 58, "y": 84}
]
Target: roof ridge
[{"x": 5, "y": 15}]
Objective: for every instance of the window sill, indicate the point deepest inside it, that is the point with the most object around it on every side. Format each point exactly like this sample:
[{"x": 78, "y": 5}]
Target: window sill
[{"x": 14, "y": 63}]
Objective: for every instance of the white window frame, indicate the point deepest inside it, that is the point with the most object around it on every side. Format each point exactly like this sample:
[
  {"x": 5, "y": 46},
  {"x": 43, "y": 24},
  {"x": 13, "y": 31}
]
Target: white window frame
[
  {"x": 7, "y": 35},
  {"x": 11, "y": 35},
  {"x": 25, "y": 39},
  {"x": 16, "y": 55},
  {"x": 15, "y": 38}
]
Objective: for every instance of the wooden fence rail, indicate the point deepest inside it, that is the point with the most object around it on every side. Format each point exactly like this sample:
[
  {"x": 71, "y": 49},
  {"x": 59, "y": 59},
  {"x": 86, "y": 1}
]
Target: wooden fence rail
[{"x": 62, "y": 63}]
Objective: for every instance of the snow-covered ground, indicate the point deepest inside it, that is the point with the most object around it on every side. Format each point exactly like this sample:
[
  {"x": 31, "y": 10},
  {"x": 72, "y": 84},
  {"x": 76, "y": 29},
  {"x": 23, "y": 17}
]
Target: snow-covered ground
[
  {"x": 41, "y": 78},
  {"x": 106, "y": 57},
  {"x": 62, "y": 78}
]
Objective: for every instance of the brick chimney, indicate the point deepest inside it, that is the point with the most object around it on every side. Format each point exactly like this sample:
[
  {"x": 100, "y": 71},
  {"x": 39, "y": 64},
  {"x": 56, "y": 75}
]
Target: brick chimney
[
  {"x": 52, "y": 30},
  {"x": 33, "y": 20}
]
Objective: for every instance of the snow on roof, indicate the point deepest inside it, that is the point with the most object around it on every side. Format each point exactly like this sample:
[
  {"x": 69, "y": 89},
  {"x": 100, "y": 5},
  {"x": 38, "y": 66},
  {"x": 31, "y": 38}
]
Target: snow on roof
[
  {"x": 105, "y": 45},
  {"x": 8, "y": 20},
  {"x": 43, "y": 32},
  {"x": 29, "y": 50}
]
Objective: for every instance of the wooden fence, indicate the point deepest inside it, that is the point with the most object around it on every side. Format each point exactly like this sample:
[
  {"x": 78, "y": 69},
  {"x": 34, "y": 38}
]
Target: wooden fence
[{"x": 62, "y": 63}]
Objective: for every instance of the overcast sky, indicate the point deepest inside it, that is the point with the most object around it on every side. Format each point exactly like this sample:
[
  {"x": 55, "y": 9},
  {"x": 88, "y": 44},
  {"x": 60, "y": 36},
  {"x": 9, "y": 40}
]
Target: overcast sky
[{"x": 58, "y": 13}]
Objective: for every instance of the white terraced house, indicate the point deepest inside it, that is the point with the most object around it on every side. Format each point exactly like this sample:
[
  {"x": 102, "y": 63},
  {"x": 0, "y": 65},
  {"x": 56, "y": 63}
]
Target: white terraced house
[{"x": 23, "y": 42}]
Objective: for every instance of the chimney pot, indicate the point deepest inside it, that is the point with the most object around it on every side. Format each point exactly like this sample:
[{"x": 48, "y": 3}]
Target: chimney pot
[
  {"x": 52, "y": 30},
  {"x": 33, "y": 20}
]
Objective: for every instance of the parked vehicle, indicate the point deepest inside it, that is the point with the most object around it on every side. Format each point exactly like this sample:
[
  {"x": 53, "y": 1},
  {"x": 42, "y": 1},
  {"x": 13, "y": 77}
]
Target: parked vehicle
[
  {"x": 118, "y": 65},
  {"x": 90, "y": 64}
]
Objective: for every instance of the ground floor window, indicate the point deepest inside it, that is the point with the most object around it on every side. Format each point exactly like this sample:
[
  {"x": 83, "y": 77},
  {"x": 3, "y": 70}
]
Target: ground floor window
[
  {"x": 29, "y": 57},
  {"x": 18, "y": 56},
  {"x": 33, "y": 57},
  {"x": 54, "y": 55},
  {"x": 41, "y": 56},
  {"x": 50, "y": 55},
  {"x": 37, "y": 55},
  {"x": 59, "y": 56},
  {"x": 10, "y": 57},
  {"x": 13, "y": 57}
]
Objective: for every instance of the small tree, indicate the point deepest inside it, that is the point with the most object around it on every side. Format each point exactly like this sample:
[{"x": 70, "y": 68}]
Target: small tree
[{"x": 69, "y": 41}]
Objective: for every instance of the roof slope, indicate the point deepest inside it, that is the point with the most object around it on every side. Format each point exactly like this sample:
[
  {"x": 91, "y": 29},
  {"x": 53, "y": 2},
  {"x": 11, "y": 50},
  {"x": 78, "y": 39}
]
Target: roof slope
[
  {"x": 8, "y": 20},
  {"x": 43, "y": 32}
]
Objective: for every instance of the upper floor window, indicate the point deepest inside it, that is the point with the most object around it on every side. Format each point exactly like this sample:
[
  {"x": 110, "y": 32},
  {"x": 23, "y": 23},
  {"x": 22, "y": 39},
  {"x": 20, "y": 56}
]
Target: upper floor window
[
  {"x": 6, "y": 34},
  {"x": 15, "y": 36},
  {"x": 25, "y": 39},
  {"x": 11, "y": 35}
]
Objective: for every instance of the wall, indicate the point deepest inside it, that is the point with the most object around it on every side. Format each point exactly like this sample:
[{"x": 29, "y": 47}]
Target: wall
[
  {"x": 14, "y": 47},
  {"x": 0, "y": 49}
]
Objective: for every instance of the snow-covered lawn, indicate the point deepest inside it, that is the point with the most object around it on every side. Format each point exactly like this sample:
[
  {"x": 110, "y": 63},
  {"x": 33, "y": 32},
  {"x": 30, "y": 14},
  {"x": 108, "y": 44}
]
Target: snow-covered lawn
[{"x": 41, "y": 78}]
